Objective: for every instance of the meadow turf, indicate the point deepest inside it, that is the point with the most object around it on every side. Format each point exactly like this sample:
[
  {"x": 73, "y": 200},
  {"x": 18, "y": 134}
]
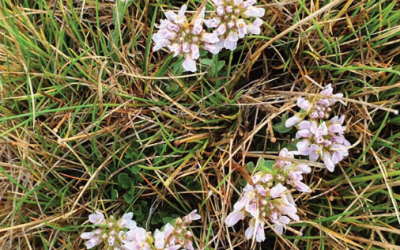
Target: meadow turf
[{"x": 92, "y": 118}]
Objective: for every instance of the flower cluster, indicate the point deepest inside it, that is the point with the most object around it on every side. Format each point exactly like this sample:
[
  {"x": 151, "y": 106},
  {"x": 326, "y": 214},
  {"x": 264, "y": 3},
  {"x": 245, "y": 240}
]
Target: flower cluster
[
  {"x": 124, "y": 234},
  {"x": 290, "y": 172},
  {"x": 315, "y": 107},
  {"x": 263, "y": 201},
  {"x": 112, "y": 233},
  {"x": 231, "y": 22},
  {"x": 184, "y": 38},
  {"x": 267, "y": 197},
  {"x": 177, "y": 236},
  {"x": 320, "y": 138}
]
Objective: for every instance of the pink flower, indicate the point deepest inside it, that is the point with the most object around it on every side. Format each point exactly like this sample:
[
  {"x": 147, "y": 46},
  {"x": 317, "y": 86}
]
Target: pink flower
[
  {"x": 328, "y": 160},
  {"x": 180, "y": 37},
  {"x": 303, "y": 104},
  {"x": 254, "y": 12},
  {"x": 262, "y": 202},
  {"x": 212, "y": 22},
  {"x": 294, "y": 178},
  {"x": 317, "y": 107},
  {"x": 277, "y": 190},
  {"x": 287, "y": 208},
  {"x": 97, "y": 218},
  {"x": 231, "y": 41},
  {"x": 286, "y": 154},
  {"x": 189, "y": 64},
  {"x": 92, "y": 242},
  {"x": 159, "y": 239},
  {"x": 339, "y": 153},
  {"x": 242, "y": 28},
  {"x": 303, "y": 168},
  {"x": 254, "y": 28},
  {"x": 279, "y": 221},
  {"x": 168, "y": 229},
  {"x": 290, "y": 172},
  {"x": 87, "y": 235},
  {"x": 293, "y": 120},
  {"x": 127, "y": 222},
  {"x": 302, "y": 187},
  {"x": 220, "y": 11},
  {"x": 328, "y": 91},
  {"x": 209, "y": 38},
  {"x": 232, "y": 21},
  {"x": 175, "y": 237},
  {"x": 257, "y": 229},
  {"x": 191, "y": 217},
  {"x": 259, "y": 176},
  {"x": 234, "y": 217},
  {"x": 323, "y": 140},
  {"x": 189, "y": 246},
  {"x": 139, "y": 238},
  {"x": 220, "y": 30}
]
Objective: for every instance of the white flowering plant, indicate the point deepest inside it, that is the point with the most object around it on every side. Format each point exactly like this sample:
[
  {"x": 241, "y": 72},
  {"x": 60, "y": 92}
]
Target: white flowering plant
[
  {"x": 268, "y": 196},
  {"x": 125, "y": 234},
  {"x": 232, "y": 20}
]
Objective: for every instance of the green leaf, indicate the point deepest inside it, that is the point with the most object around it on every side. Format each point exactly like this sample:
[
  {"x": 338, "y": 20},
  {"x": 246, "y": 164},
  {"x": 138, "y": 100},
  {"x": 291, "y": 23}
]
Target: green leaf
[
  {"x": 128, "y": 197},
  {"x": 172, "y": 88},
  {"x": 125, "y": 180},
  {"x": 192, "y": 184},
  {"x": 280, "y": 127},
  {"x": 140, "y": 216},
  {"x": 137, "y": 209},
  {"x": 143, "y": 136},
  {"x": 206, "y": 61},
  {"x": 138, "y": 178},
  {"x": 132, "y": 154},
  {"x": 251, "y": 167},
  {"x": 265, "y": 165},
  {"x": 135, "y": 169},
  {"x": 167, "y": 219},
  {"x": 154, "y": 220},
  {"x": 114, "y": 194},
  {"x": 243, "y": 182},
  {"x": 131, "y": 190},
  {"x": 160, "y": 149},
  {"x": 220, "y": 65}
]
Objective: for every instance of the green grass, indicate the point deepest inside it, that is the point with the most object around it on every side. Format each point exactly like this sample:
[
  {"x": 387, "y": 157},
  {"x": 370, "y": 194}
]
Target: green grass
[{"x": 91, "y": 117}]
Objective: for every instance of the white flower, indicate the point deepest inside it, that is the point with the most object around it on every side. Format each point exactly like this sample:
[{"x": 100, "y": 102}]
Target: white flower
[
  {"x": 277, "y": 191},
  {"x": 232, "y": 21},
  {"x": 159, "y": 239},
  {"x": 231, "y": 41},
  {"x": 191, "y": 217},
  {"x": 127, "y": 222},
  {"x": 185, "y": 39},
  {"x": 235, "y": 217},
  {"x": 262, "y": 202},
  {"x": 87, "y": 235},
  {"x": 323, "y": 140},
  {"x": 257, "y": 229},
  {"x": 97, "y": 218},
  {"x": 113, "y": 234},
  {"x": 254, "y": 12},
  {"x": 315, "y": 107},
  {"x": 92, "y": 242}
]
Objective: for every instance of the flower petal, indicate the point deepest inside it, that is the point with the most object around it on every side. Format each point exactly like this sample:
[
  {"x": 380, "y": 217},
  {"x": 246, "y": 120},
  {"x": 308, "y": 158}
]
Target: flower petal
[
  {"x": 234, "y": 217},
  {"x": 277, "y": 190}
]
